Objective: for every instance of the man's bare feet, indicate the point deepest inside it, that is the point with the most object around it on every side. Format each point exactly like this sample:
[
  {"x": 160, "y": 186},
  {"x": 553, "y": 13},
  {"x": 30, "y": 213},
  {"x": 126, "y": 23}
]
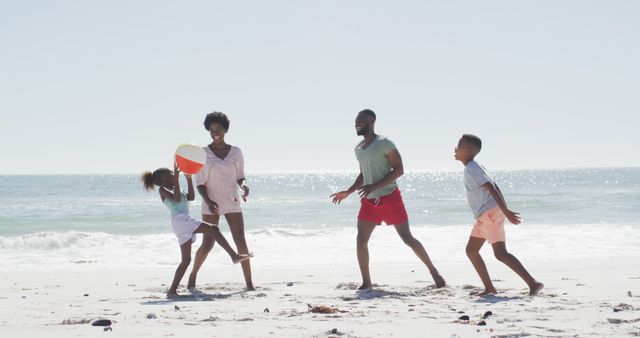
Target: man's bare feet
[
  {"x": 535, "y": 288},
  {"x": 250, "y": 288},
  {"x": 242, "y": 257},
  {"x": 440, "y": 282},
  {"x": 172, "y": 294}
]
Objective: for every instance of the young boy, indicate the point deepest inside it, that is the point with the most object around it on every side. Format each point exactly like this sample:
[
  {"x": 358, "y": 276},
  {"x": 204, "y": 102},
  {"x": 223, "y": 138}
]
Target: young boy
[{"x": 489, "y": 209}]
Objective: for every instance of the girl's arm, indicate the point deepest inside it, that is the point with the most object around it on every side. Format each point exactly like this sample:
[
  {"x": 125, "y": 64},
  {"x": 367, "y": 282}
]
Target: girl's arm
[
  {"x": 177, "y": 196},
  {"x": 190, "y": 194}
]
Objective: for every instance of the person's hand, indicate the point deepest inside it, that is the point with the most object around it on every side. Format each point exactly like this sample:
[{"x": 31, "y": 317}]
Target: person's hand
[
  {"x": 365, "y": 190},
  {"x": 213, "y": 206},
  {"x": 339, "y": 196},
  {"x": 513, "y": 217},
  {"x": 245, "y": 194}
]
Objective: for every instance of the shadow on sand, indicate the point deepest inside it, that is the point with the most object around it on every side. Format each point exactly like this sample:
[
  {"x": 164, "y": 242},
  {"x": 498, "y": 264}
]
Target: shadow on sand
[{"x": 194, "y": 296}]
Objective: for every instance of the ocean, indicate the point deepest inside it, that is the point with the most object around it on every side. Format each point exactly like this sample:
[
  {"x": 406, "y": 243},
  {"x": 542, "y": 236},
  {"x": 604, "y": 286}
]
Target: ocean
[{"x": 109, "y": 221}]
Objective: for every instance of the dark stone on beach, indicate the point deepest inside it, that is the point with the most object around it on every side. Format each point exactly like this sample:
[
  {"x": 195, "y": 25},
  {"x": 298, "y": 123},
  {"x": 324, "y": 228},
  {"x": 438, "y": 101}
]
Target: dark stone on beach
[
  {"x": 334, "y": 331},
  {"x": 465, "y": 317},
  {"x": 108, "y": 328},
  {"x": 290, "y": 284},
  {"x": 101, "y": 322},
  {"x": 176, "y": 307},
  {"x": 487, "y": 315},
  {"x": 86, "y": 295},
  {"x": 482, "y": 323},
  {"x": 152, "y": 316},
  {"x": 459, "y": 311},
  {"x": 266, "y": 310}
]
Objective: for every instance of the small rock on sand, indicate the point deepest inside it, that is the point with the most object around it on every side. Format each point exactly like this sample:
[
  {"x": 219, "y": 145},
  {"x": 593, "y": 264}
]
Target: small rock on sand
[
  {"x": 101, "y": 322},
  {"x": 152, "y": 316}
]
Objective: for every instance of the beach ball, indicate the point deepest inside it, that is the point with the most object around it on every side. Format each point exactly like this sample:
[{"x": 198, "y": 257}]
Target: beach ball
[{"x": 190, "y": 158}]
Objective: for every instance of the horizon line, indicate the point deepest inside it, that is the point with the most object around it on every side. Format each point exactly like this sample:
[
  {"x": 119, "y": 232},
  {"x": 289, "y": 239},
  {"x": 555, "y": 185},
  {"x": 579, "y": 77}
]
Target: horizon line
[{"x": 279, "y": 172}]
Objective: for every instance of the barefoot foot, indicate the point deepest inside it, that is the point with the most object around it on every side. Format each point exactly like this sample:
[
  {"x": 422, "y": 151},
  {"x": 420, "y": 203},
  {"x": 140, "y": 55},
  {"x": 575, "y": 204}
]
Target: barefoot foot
[
  {"x": 192, "y": 282},
  {"x": 242, "y": 257},
  {"x": 440, "y": 282},
  {"x": 535, "y": 288},
  {"x": 484, "y": 293},
  {"x": 365, "y": 286}
]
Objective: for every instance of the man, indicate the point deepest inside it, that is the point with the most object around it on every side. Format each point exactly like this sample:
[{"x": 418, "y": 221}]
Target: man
[{"x": 381, "y": 201}]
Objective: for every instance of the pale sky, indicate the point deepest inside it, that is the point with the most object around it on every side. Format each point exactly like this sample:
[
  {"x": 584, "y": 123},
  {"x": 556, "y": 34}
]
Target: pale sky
[{"x": 115, "y": 86}]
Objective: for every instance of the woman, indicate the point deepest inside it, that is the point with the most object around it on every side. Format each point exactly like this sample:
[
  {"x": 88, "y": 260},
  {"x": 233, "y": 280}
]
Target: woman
[{"x": 218, "y": 185}]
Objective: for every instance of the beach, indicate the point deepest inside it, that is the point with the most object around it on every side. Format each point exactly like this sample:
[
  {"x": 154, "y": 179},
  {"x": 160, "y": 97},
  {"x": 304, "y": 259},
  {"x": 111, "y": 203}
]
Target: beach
[
  {"x": 96, "y": 247},
  {"x": 582, "y": 298}
]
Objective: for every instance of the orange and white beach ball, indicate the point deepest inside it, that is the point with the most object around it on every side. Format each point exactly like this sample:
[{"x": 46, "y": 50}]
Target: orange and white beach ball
[{"x": 190, "y": 158}]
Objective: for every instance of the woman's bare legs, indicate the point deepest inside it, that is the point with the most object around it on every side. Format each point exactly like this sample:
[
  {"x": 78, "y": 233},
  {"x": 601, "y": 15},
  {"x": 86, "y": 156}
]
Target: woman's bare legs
[{"x": 236, "y": 225}]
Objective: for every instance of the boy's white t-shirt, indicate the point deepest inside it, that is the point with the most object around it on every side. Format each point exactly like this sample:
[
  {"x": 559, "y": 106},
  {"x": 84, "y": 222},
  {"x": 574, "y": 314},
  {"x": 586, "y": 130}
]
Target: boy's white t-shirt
[{"x": 479, "y": 198}]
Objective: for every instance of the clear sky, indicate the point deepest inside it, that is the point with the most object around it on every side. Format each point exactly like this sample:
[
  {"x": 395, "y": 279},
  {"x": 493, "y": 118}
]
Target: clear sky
[{"x": 115, "y": 86}]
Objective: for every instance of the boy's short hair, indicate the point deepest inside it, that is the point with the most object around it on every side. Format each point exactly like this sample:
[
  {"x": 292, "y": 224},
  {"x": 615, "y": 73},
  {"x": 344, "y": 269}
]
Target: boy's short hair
[
  {"x": 368, "y": 112},
  {"x": 217, "y": 117},
  {"x": 473, "y": 140}
]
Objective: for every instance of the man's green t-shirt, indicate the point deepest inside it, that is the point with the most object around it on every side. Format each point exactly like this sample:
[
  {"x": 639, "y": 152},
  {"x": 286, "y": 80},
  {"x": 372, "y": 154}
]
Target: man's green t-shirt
[{"x": 374, "y": 165}]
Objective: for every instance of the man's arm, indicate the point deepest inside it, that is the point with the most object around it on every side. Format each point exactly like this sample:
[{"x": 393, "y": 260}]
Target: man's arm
[
  {"x": 397, "y": 170},
  {"x": 339, "y": 196}
]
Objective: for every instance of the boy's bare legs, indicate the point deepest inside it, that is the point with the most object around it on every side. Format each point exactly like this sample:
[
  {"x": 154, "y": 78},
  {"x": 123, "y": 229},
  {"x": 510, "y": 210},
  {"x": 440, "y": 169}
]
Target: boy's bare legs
[
  {"x": 185, "y": 250},
  {"x": 405, "y": 233},
  {"x": 473, "y": 252},
  {"x": 501, "y": 253},
  {"x": 236, "y": 226},
  {"x": 365, "y": 229},
  {"x": 203, "y": 251}
]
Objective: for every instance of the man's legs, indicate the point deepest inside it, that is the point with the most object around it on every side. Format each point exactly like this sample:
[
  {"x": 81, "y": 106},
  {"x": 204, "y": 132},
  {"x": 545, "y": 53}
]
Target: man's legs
[
  {"x": 365, "y": 228},
  {"x": 405, "y": 233}
]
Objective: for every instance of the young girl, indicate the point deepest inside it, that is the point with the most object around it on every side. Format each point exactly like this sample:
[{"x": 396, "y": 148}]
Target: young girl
[{"x": 184, "y": 226}]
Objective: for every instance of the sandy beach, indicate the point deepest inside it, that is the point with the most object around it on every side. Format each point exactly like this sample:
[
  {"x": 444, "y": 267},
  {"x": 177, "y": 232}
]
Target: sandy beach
[{"x": 582, "y": 298}]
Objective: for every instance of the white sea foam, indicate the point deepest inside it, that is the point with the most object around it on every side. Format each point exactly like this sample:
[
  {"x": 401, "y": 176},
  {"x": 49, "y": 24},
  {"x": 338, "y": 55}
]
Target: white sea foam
[{"x": 276, "y": 246}]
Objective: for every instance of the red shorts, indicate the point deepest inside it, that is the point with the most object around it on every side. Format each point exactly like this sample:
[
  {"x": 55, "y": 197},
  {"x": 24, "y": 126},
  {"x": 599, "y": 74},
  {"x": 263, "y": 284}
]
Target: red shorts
[{"x": 389, "y": 209}]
